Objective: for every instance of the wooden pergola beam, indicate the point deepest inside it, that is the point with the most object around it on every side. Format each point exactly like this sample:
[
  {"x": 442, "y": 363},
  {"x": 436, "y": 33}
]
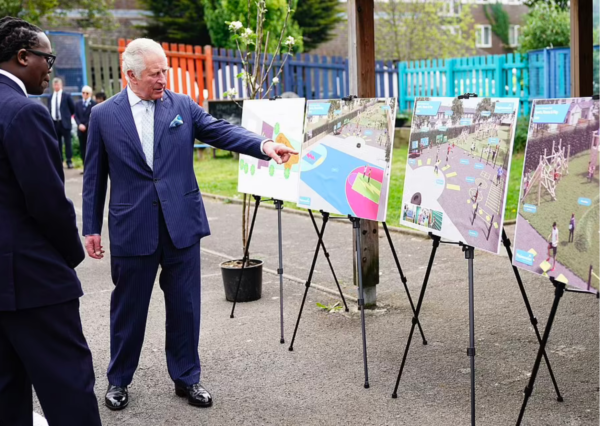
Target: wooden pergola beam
[
  {"x": 582, "y": 48},
  {"x": 361, "y": 54}
]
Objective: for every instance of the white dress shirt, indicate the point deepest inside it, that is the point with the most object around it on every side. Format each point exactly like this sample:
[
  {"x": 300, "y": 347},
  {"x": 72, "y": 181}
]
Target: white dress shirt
[
  {"x": 56, "y": 111},
  {"x": 138, "y": 109},
  {"x": 15, "y": 79}
]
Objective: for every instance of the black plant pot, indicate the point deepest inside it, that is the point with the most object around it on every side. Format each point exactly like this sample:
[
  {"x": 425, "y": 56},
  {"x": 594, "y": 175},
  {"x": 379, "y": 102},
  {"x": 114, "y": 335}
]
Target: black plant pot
[
  {"x": 400, "y": 122},
  {"x": 251, "y": 285}
]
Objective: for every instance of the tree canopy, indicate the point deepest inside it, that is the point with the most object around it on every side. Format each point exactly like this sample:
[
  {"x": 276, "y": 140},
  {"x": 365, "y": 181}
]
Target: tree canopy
[
  {"x": 180, "y": 21},
  {"x": 317, "y": 20},
  {"x": 546, "y": 25},
  {"x": 94, "y": 13}
]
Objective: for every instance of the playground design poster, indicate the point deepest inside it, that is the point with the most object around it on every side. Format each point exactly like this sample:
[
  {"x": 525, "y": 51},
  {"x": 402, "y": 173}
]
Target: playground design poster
[
  {"x": 457, "y": 169},
  {"x": 557, "y": 225},
  {"x": 281, "y": 120},
  {"x": 347, "y": 156}
]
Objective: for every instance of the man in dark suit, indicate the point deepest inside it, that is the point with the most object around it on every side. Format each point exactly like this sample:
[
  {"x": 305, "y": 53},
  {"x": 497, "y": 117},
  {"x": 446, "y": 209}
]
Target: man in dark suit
[
  {"x": 100, "y": 97},
  {"x": 83, "y": 108},
  {"x": 62, "y": 108},
  {"x": 143, "y": 138},
  {"x": 41, "y": 340}
]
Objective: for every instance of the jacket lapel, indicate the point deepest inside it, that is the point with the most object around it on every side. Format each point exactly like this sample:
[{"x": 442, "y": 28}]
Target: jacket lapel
[
  {"x": 125, "y": 117},
  {"x": 161, "y": 120}
]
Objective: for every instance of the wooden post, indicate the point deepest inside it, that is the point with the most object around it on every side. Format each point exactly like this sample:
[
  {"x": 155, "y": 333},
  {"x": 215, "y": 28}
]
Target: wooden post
[
  {"x": 361, "y": 64},
  {"x": 582, "y": 48}
]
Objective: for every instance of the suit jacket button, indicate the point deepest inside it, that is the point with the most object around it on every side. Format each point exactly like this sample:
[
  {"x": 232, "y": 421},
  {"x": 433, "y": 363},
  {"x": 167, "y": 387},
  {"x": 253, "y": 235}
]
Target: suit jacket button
[
  {"x": 154, "y": 203},
  {"x": 156, "y": 180}
]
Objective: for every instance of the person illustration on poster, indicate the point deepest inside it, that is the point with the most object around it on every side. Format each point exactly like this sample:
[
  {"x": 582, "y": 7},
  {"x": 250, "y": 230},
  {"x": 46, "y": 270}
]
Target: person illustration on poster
[
  {"x": 477, "y": 192},
  {"x": 590, "y": 172},
  {"x": 499, "y": 175},
  {"x": 572, "y": 227},
  {"x": 553, "y": 245},
  {"x": 473, "y": 148},
  {"x": 369, "y": 180}
]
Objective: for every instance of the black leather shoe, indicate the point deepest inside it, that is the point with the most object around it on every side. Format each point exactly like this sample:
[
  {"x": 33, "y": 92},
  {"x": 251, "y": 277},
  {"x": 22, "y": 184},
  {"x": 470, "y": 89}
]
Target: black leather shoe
[
  {"x": 196, "y": 395},
  {"x": 116, "y": 397},
  {"x": 69, "y": 165}
]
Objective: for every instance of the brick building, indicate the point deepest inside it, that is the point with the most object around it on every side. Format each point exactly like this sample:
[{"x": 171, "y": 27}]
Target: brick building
[{"x": 487, "y": 43}]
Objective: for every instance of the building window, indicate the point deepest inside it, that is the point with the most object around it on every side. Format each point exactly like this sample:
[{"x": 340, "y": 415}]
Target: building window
[
  {"x": 513, "y": 35},
  {"x": 483, "y": 35},
  {"x": 452, "y": 8}
]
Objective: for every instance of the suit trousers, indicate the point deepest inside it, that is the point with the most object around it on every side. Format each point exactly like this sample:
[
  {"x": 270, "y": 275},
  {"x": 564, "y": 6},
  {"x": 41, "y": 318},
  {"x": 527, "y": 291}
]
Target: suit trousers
[
  {"x": 64, "y": 134},
  {"x": 45, "y": 347},
  {"x": 82, "y": 143},
  {"x": 179, "y": 280}
]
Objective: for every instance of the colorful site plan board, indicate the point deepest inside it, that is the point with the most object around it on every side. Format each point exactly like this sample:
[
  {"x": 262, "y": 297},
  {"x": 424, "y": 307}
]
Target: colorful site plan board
[
  {"x": 281, "y": 120},
  {"x": 457, "y": 172},
  {"x": 557, "y": 226},
  {"x": 347, "y": 156}
]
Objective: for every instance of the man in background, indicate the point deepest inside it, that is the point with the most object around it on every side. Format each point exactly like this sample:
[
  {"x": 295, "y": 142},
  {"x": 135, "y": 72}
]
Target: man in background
[
  {"x": 83, "y": 108},
  {"x": 41, "y": 340},
  {"x": 62, "y": 109},
  {"x": 100, "y": 97}
]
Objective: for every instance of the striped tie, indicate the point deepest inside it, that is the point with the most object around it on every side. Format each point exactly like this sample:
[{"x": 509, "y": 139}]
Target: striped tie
[{"x": 148, "y": 132}]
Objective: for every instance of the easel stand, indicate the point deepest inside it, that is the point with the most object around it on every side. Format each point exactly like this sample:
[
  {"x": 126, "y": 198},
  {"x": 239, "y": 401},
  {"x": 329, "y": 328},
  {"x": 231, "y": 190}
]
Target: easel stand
[
  {"x": 279, "y": 207},
  {"x": 356, "y": 227},
  {"x": 560, "y": 289},
  {"x": 469, "y": 255},
  {"x": 532, "y": 318}
]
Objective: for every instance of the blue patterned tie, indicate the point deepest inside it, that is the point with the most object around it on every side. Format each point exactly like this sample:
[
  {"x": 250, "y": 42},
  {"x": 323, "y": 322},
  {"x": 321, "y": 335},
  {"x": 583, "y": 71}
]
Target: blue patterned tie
[{"x": 148, "y": 132}]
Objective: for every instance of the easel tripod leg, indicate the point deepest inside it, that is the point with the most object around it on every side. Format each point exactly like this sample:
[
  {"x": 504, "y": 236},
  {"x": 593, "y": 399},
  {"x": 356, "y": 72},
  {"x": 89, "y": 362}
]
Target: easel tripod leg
[
  {"x": 403, "y": 278},
  {"x": 245, "y": 259},
  {"x": 329, "y": 260},
  {"x": 532, "y": 318},
  {"x": 361, "y": 298},
  {"x": 279, "y": 206},
  {"x": 558, "y": 293},
  {"x": 415, "y": 320},
  {"x": 310, "y": 274},
  {"x": 469, "y": 255}
]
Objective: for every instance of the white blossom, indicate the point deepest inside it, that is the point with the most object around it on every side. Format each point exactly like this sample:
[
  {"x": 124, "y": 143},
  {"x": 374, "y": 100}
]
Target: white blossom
[
  {"x": 235, "y": 26},
  {"x": 248, "y": 32},
  {"x": 290, "y": 41},
  {"x": 275, "y": 80},
  {"x": 231, "y": 92}
]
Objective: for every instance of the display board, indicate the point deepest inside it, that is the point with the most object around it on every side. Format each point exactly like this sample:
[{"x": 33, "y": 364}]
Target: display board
[
  {"x": 281, "y": 120},
  {"x": 559, "y": 205},
  {"x": 347, "y": 156},
  {"x": 457, "y": 168}
]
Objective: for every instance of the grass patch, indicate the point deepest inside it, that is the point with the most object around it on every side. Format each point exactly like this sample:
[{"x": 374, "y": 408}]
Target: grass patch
[
  {"x": 219, "y": 176},
  {"x": 568, "y": 191}
]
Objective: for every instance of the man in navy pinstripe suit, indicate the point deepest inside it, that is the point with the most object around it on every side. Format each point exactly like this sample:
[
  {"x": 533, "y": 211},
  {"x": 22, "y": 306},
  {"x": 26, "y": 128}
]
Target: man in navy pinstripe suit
[{"x": 143, "y": 139}]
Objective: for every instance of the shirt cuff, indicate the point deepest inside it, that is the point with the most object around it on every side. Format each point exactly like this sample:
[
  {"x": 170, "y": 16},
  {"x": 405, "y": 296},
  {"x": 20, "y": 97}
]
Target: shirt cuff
[{"x": 262, "y": 144}]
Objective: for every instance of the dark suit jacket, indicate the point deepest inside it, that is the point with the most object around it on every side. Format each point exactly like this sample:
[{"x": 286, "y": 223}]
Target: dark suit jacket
[
  {"x": 39, "y": 241},
  {"x": 67, "y": 109},
  {"x": 82, "y": 115},
  {"x": 114, "y": 149}
]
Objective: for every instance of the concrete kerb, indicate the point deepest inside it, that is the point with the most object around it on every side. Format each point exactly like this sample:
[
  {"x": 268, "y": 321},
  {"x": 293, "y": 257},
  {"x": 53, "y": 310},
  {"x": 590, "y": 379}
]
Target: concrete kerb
[{"x": 396, "y": 229}]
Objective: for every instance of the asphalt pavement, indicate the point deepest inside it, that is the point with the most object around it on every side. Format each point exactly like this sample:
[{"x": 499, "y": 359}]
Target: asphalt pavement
[{"x": 255, "y": 380}]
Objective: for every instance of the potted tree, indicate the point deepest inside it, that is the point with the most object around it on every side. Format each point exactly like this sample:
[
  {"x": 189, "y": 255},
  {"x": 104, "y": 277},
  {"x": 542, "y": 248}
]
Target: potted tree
[{"x": 253, "y": 48}]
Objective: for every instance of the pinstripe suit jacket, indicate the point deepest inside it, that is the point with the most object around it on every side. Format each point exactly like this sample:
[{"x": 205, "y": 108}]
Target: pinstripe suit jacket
[{"x": 114, "y": 150}]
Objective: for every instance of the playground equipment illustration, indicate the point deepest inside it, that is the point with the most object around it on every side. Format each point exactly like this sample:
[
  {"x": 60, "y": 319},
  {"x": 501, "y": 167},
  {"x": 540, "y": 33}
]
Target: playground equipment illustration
[{"x": 548, "y": 172}]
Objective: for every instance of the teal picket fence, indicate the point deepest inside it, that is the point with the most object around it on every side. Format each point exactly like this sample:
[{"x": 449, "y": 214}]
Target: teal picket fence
[
  {"x": 544, "y": 73},
  {"x": 490, "y": 76}
]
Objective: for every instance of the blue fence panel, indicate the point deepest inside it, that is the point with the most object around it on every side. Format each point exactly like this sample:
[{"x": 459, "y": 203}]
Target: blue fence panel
[{"x": 542, "y": 73}]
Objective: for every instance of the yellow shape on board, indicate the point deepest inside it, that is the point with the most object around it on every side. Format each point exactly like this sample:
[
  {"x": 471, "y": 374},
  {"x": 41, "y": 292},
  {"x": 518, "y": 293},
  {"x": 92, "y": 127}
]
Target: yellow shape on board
[
  {"x": 420, "y": 163},
  {"x": 562, "y": 279},
  {"x": 545, "y": 267},
  {"x": 451, "y": 174},
  {"x": 428, "y": 161},
  {"x": 445, "y": 168},
  {"x": 454, "y": 187}
]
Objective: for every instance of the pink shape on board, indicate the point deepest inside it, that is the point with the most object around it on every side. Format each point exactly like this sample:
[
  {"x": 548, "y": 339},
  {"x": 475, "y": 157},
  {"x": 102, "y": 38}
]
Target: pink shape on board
[{"x": 361, "y": 205}]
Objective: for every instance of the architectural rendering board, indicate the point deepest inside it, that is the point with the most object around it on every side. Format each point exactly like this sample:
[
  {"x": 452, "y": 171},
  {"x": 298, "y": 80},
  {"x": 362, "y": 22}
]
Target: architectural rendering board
[
  {"x": 457, "y": 170},
  {"x": 346, "y": 157},
  {"x": 281, "y": 120},
  {"x": 557, "y": 225}
]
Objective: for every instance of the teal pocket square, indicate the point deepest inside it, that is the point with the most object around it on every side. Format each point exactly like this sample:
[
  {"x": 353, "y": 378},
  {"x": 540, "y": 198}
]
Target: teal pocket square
[{"x": 177, "y": 121}]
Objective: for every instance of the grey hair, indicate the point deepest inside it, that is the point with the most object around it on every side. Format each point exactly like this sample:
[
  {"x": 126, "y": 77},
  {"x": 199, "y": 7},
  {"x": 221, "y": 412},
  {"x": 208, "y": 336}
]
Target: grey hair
[
  {"x": 136, "y": 51},
  {"x": 57, "y": 80}
]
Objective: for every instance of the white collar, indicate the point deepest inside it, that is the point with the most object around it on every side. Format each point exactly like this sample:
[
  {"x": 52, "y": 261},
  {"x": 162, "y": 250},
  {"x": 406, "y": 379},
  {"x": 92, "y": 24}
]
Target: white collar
[
  {"x": 133, "y": 98},
  {"x": 59, "y": 93},
  {"x": 15, "y": 79}
]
